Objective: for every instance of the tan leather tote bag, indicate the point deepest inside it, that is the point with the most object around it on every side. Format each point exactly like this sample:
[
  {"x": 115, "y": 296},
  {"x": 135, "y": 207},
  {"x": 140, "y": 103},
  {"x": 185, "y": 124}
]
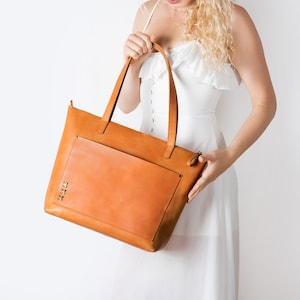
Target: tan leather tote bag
[{"x": 118, "y": 181}]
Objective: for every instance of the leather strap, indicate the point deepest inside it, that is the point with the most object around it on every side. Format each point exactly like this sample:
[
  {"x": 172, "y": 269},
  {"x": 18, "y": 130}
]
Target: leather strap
[{"x": 173, "y": 106}]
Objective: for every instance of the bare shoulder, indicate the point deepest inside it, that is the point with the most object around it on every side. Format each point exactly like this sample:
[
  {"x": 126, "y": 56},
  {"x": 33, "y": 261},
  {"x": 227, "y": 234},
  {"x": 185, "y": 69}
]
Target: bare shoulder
[
  {"x": 239, "y": 11},
  {"x": 142, "y": 15},
  {"x": 248, "y": 55},
  {"x": 242, "y": 24}
]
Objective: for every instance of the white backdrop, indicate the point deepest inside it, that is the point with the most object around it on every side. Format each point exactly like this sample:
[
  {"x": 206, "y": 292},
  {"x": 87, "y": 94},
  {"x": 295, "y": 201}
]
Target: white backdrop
[{"x": 54, "y": 51}]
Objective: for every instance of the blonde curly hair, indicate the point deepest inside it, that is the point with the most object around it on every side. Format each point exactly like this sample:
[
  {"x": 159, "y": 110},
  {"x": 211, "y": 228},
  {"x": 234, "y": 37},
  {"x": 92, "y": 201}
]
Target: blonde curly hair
[{"x": 209, "y": 22}]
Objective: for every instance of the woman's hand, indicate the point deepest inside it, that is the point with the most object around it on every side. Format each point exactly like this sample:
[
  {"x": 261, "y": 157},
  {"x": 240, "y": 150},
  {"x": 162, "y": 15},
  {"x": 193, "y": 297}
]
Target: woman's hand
[
  {"x": 216, "y": 163},
  {"x": 137, "y": 45}
]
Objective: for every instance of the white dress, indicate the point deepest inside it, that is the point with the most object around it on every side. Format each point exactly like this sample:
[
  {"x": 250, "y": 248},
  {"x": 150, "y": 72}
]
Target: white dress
[{"x": 200, "y": 262}]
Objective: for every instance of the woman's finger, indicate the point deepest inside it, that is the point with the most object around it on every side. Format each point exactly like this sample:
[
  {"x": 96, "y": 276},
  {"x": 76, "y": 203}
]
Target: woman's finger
[
  {"x": 137, "y": 45},
  {"x": 198, "y": 187}
]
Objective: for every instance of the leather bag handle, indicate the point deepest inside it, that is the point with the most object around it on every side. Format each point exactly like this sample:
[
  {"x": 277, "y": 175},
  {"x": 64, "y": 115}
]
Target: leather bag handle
[{"x": 173, "y": 105}]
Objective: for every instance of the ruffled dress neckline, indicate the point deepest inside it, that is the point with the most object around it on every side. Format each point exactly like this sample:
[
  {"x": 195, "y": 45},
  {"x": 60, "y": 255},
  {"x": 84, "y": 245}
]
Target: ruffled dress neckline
[{"x": 189, "y": 55}]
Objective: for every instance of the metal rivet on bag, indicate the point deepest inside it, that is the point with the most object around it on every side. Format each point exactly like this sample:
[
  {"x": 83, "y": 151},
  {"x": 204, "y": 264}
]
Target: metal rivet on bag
[
  {"x": 63, "y": 191},
  {"x": 60, "y": 198},
  {"x": 65, "y": 184}
]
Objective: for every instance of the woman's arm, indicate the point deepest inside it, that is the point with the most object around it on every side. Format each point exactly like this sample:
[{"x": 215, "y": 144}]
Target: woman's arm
[
  {"x": 249, "y": 60},
  {"x": 138, "y": 46}
]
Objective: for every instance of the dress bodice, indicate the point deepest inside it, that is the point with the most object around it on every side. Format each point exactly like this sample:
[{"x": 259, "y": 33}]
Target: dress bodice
[{"x": 198, "y": 90}]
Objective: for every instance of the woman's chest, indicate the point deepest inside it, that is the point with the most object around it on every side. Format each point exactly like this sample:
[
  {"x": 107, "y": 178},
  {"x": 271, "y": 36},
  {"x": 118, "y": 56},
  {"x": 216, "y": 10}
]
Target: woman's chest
[{"x": 168, "y": 29}]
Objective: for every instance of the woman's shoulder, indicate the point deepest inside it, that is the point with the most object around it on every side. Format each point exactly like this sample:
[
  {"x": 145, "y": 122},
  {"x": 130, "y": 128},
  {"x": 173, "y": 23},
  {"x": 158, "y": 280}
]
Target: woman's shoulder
[
  {"x": 240, "y": 18},
  {"x": 143, "y": 14},
  {"x": 149, "y": 4},
  {"x": 244, "y": 32}
]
